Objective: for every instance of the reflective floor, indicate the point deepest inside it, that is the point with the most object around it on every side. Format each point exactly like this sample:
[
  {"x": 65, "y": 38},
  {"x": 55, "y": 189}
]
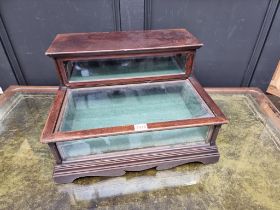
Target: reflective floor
[{"x": 246, "y": 177}]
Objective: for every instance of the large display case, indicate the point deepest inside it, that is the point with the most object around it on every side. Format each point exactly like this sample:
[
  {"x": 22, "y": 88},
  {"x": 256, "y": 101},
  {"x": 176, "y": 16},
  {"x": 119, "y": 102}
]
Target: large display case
[{"x": 128, "y": 102}]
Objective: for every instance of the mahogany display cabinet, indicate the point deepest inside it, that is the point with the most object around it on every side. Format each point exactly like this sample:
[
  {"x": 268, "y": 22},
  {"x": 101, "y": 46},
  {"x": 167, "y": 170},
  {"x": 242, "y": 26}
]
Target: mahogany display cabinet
[{"x": 128, "y": 102}]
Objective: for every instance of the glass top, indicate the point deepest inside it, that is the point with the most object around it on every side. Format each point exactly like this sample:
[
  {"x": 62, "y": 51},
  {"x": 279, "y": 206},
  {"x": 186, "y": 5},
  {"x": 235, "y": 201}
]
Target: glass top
[
  {"x": 107, "y": 69},
  {"x": 246, "y": 176},
  {"x": 88, "y": 108}
]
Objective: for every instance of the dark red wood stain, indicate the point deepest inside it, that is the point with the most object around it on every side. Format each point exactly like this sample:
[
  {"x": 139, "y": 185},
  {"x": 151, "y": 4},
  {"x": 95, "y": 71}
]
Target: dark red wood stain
[
  {"x": 122, "y": 42},
  {"x": 87, "y": 46}
]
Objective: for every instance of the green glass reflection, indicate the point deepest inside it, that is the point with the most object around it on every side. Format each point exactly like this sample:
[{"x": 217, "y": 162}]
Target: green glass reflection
[
  {"x": 72, "y": 149},
  {"x": 124, "y": 68},
  {"x": 89, "y": 108}
]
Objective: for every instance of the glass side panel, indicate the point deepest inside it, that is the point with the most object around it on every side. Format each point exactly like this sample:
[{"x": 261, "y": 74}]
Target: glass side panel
[
  {"x": 94, "y": 70},
  {"x": 72, "y": 149},
  {"x": 88, "y": 108}
]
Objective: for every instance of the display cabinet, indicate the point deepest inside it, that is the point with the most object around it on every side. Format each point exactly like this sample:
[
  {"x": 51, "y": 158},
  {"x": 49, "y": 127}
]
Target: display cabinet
[{"x": 128, "y": 102}]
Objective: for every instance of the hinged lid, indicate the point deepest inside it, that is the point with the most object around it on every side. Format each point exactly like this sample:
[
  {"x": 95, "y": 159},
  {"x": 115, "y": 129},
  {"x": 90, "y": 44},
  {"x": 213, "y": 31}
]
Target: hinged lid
[{"x": 109, "y": 58}]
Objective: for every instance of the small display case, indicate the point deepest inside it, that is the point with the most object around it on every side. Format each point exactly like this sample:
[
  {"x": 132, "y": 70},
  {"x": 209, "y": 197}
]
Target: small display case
[{"x": 128, "y": 102}]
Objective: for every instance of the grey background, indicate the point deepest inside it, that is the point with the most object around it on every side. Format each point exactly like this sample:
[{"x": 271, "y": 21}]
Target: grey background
[{"x": 241, "y": 38}]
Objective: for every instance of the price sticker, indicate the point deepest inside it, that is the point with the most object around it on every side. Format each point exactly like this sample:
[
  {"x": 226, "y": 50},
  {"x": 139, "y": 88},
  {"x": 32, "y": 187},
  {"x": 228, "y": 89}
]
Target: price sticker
[{"x": 140, "y": 127}]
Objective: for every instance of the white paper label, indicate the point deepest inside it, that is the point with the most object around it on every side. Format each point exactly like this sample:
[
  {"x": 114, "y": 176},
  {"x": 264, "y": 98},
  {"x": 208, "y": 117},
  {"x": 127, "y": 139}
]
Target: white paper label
[{"x": 140, "y": 127}]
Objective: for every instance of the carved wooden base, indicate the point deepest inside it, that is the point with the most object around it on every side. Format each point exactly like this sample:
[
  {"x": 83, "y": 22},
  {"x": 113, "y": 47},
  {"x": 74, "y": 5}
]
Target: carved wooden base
[{"x": 118, "y": 165}]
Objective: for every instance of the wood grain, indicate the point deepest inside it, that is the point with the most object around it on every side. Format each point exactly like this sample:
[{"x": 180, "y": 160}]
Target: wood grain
[
  {"x": 119, "y": 165},
  {"x": 122, "y": 42}
]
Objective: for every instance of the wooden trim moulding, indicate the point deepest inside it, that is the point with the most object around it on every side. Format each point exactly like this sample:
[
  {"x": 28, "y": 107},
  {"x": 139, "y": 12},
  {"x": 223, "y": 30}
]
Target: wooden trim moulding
[
  {"x": 53, "y": 115},
  {"x": 64, "y": 79},
  {"x": 119, "y": 165},
  {"x": 50, "y": 135},
  {"x": 208, "y": 100},
  {"x": 13, "y": 89}
]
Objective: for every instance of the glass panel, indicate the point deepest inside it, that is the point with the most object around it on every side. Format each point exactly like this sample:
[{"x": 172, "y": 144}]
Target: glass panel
[
  {"x": 72, "y": 149},
  {"x": 95, "y": 70},
  {"x": 88, "y": 108}
]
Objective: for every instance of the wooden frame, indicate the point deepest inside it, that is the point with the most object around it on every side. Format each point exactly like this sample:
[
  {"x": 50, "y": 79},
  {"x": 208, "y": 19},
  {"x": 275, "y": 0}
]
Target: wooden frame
[
  {"x": 114, "y": 43},
  {"x": 75, "y": 47},
  {"x": 50, "y": 135},
  {"x": 13, "y": 89},
  {"x": 62, "y": 71},
  {"x": 65, "y": 48}
]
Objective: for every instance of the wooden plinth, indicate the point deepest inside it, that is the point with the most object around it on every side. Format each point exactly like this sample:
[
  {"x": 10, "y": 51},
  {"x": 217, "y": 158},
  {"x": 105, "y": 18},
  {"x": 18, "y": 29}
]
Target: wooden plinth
[{"x": 117, "y": 166}]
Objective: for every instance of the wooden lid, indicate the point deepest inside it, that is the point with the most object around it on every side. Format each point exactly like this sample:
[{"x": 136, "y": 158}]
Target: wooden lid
[{"x": 101, "y": 43}]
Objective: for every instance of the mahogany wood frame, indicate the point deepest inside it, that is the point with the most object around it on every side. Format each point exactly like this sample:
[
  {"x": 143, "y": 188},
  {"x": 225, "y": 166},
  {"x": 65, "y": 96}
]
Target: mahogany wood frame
[
  {"x": 83, "y": 46},
  {"x": 116, "y": 163},
  {"x": 74, "y": 47},
  {"x": 51, "y": 135},
  {"x": 64, "y": 79}
]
